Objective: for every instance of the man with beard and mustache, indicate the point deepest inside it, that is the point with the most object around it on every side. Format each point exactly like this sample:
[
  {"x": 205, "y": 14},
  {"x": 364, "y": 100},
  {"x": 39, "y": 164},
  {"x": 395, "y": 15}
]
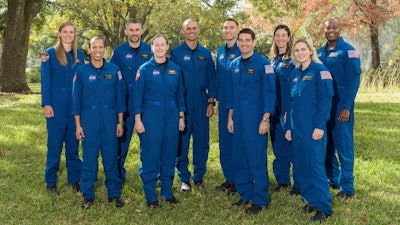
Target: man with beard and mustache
[
  {"x": 129, "y": 57},
  {"x": 343, "y": 61}
]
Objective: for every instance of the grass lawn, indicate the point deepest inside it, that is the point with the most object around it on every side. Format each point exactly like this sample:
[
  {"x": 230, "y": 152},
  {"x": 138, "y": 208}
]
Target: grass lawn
[{"x": 23, "y": 198}]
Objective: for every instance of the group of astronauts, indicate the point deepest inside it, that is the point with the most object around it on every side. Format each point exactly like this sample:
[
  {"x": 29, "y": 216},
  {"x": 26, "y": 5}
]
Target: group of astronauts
[{"x": 303, "y": 98}]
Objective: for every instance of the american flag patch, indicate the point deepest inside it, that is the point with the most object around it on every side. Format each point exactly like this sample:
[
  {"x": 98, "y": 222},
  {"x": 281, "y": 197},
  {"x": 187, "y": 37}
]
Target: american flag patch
[
  {"x": 268, "y": 69},
  {"x": 137, "y": 75},
  {"x": 325, "y": 75},
  {"x": 119, "y": 75},
  {"x": 353, "y": 54}
]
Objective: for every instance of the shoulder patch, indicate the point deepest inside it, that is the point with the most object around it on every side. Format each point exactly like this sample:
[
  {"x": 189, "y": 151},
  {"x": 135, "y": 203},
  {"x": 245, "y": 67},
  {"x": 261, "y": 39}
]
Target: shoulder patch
[
  {"x": 268, "y": 69},
  {"x": 45, "y": 57},
  {"x": 353, "y": 54},
  {"x": 325, "y": 75}
]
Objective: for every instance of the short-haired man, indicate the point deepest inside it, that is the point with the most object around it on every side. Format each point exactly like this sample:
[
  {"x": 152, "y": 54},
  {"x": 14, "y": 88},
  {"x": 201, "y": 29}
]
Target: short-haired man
[
  {"x": 343, "y": 61},
  {"x": 198, "y": 71},
  {"x": 251, "y": 102},
  {"x": 128, "y": 57},
  {"x": 225, "y": 55}
]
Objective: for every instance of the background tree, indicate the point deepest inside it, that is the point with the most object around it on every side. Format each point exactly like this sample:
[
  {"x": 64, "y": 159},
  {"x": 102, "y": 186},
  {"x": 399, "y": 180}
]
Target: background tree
[
  {"x": 354, "y": 15},
  {"x": 20, "y": 15}
]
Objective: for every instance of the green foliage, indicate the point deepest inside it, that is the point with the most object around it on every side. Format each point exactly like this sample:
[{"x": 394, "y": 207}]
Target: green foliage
[
  {"x": 264, "y": 45},
  {"x": 107, "y": 19},
  {"x": 33, "y": 75},
  {"x": 278, "y": 9},
  {"x": 25, "y": 201},
  {"x": 3, "y": 16}
]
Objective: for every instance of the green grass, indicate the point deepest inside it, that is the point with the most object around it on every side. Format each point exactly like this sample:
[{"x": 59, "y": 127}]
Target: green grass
[{"x": 23, "y": 199}]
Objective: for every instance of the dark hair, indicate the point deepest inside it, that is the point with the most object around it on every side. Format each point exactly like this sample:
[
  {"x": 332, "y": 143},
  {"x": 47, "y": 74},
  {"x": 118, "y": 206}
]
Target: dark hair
[
  {"x": 233, "y": 20},
  {"x": 93, "y": 39},
  {"x": 248, "y": 31},
  {"x": 132, "y": 21},
  {"x": 274, "y": 49}
]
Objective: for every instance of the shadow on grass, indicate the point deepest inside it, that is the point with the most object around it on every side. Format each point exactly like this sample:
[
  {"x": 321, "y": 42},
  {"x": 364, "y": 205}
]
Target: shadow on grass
[{"x": 377, "y": 131}]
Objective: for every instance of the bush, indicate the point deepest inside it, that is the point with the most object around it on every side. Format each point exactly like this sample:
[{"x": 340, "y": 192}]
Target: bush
[{"x": 33, "y": 75}]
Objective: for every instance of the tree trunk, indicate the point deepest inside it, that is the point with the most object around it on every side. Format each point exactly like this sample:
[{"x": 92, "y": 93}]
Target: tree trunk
[
  {"x": 15, "y": 46},
  {"x": 375, "y": 50}
]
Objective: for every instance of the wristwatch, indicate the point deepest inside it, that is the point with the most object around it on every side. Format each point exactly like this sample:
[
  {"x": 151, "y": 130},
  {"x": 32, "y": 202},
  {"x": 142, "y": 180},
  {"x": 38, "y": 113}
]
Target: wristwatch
[
  {"x": 211, "y": 103},
  {"x": 265, "y": 119}
]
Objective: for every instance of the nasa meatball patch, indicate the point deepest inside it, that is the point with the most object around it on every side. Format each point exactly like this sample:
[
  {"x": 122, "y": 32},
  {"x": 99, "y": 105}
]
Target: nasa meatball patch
[{"x": 45, "y": 57}]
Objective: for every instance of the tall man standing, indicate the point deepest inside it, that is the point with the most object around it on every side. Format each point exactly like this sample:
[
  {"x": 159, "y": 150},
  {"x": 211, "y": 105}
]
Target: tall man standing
[
  {"x": 225, "y": 55},
  {"x": 128, "y": 57},
  {"x": 198, "y": 70},
  {"x": 251, "y": 102},
  {"x": 343, "y": 61}
]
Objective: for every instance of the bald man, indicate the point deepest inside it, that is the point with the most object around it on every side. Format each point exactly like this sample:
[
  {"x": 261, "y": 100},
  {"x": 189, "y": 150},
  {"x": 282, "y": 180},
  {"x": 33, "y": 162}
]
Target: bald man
[{"x": 343, "y": 61}]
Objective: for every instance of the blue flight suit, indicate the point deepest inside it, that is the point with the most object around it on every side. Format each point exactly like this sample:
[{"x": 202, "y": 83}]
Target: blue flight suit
[
  {"x": 311, "y": 92},
  {"x": 198, "y": 71},
  {"x": 224, "y": 57},
  {"x": 281, "y": 146},
  {"x": 128, "y": 60},
  {"x": 98, "y": 96},
  {"x": 343, "y": 62},
  {"x": 251, "y": 93},
  {"x": 159, "y": 99},
  {"x": 56, "y": 91}
]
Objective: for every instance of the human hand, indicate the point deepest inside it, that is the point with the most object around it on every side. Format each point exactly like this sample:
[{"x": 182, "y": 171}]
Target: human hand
[
  {"x": 317, "y": 134},
  {"x": 344, "y": 116},
  {"x": 80, "y": 135},
  {"x": 120, "y": 129},
  {"x": 288, "y": 135},
  {"x": 139, "y": 127},
  {"x": 210, "y": 111},
  {"x": 48, "y": 111}
]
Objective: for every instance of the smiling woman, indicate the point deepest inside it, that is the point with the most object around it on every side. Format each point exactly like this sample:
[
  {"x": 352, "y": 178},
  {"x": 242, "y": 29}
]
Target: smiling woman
[
  {"x": 59, "y": 64},
  {"x": 98, "y": 106},
  {"x": 311, "y": 93}
]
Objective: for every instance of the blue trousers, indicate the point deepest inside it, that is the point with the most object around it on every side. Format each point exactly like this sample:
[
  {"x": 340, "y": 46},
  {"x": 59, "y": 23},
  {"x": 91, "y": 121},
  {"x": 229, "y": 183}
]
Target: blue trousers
[
  {"x": 123, "y": 144},
  {"x": 100, "y": 137},
  {"x": 339, "y": 161},
  {"x": 281, "y": 149},
  {"x": 57, "y": 136},
  {"x": 309, "y": 159},
  {"x": 197, "y": 126},
  {"x": 250, "y": 156},
  {"x": 158, "y": 149},
  {"x": 225, "y": 143}
]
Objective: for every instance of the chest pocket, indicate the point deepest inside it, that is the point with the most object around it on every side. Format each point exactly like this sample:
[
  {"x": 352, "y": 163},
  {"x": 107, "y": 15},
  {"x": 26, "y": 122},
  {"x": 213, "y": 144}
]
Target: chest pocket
[
  {"x": 301, "y": 84},
  {"x": 334, "y": 57},
  {"x": 107, "y": 81}
]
